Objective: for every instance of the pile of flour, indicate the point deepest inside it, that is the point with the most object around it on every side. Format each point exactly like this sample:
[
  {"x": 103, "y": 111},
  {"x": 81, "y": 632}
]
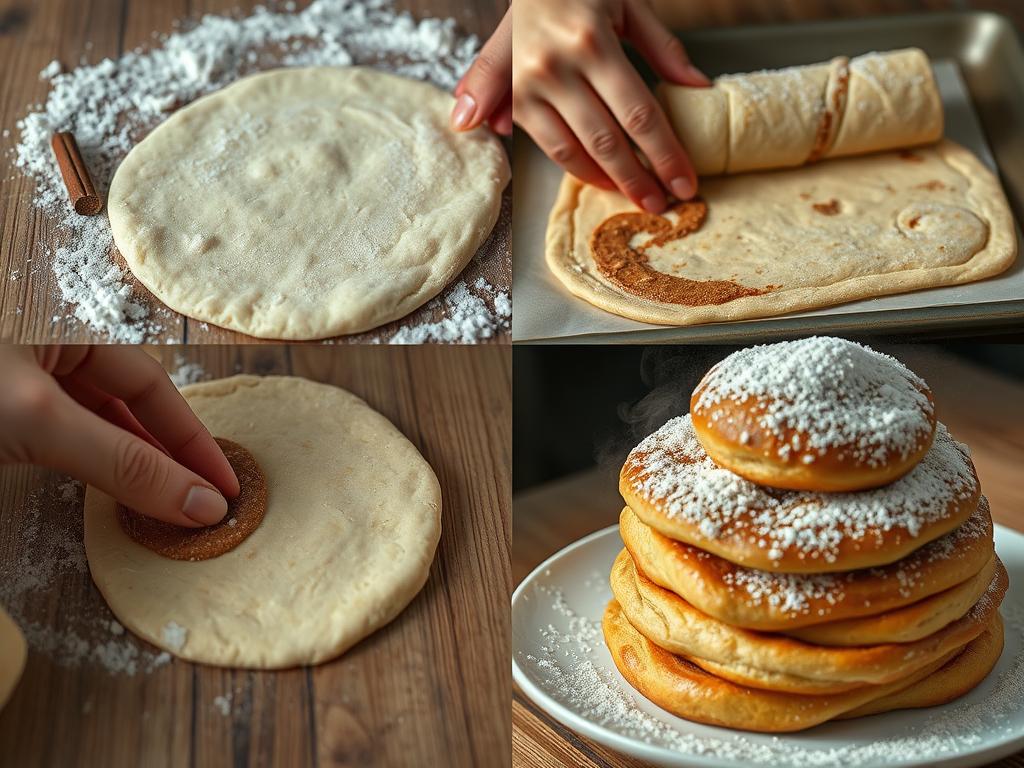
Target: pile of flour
[{"x": 110, "y": 106}]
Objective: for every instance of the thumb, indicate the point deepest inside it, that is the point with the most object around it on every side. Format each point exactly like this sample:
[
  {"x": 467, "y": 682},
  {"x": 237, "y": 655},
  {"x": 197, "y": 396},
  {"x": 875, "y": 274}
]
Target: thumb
[
  {"x": 662, "y": 50},
  {"x": 128, "y": 468},
  {"x": 483, "y": 88}
]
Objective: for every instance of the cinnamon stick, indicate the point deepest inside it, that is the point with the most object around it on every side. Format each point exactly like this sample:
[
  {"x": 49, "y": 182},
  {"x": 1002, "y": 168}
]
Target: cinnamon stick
[{"x": 82, "y": 193}]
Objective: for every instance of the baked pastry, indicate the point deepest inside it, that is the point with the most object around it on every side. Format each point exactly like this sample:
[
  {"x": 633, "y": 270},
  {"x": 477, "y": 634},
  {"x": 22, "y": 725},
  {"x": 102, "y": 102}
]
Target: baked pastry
[
  {"x": 755, "y": 657},
  {"x": 686, "y": 690},
  {"x": 818, "y": 414},
  {"x": 754, "y": 599},
  {"x": 673, "y": 486}
]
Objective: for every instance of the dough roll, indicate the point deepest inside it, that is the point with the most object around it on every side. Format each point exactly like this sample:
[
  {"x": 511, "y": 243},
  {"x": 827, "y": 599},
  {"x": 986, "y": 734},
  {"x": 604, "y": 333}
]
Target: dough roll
[{"x": 789, "y": 117}]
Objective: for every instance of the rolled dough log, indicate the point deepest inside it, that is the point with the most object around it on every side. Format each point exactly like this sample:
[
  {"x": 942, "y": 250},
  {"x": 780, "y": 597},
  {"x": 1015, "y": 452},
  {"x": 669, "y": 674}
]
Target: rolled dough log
[
  {"x": 788, "y": 117},
  {"x": 12, "y": 656}
]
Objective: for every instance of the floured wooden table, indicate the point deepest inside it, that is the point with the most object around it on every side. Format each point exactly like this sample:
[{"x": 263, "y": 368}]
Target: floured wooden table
[
  {"x": 31, "y": 306},
  {"x": 430, "y": 688}
]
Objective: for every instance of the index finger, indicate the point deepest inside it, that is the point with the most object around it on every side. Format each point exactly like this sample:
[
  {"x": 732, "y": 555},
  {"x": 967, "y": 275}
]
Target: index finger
[
  {"x": 638, "y": 112},
  {"x": 133, "y": 377}
]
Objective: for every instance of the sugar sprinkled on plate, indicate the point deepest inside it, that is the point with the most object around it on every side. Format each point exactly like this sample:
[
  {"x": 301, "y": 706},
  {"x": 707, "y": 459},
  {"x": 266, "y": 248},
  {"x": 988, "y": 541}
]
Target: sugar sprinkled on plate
[
  {"x": 111, "y": 105},
  {"x": 572, "y": 666}
]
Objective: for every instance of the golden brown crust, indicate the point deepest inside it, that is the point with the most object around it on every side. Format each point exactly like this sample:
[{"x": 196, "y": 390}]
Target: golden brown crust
[
  {"x": 244, "y": 515},
  {"x": 955, "y": 678},
  {"x": 675, "y": 625},
  {"x": 686, "y": 690},
  {"x": 717, "y": 586},
  {"x": 734, "y": 437}
]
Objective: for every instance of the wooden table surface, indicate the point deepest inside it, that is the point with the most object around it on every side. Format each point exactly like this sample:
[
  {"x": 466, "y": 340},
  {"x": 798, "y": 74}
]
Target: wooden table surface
[
  {"x": 35, "y": 33},
  {"x": 431, "y": 688},
  {"x": 980, "y": 408}
]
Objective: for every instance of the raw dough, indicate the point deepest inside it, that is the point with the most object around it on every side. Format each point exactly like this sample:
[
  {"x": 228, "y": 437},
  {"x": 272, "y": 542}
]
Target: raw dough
[
  {"x": 352, "y": 522},
  {"x": 306, "y": 203},
  {"x": 13, "y": 653},
  {"x": 788, "y": 117},
  {"x": 814, "y": 236}
]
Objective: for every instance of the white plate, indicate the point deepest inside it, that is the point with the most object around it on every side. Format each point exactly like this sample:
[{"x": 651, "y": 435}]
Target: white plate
[{"x": 560, "y": 661}]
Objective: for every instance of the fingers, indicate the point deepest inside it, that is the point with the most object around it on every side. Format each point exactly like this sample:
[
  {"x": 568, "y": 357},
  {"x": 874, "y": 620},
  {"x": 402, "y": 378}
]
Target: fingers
[
  {"x": 485, "y": 86},
  {"x": 639, "y": 113},
  {"x": 501, "y": 120},
  {"x": 131, "y": 376},
  {"x": 558, "y": 142},
  {"x": 128, "y": 468},
  {"x": 605, "y": 142},
  {"x": 662, "y": 50},
  {"x": 106, "y": 407}
]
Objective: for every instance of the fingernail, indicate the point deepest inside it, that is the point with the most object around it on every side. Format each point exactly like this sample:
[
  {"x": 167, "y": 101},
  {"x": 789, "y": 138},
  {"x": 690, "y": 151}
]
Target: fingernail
[
  {"x": 465, "y": 106},
  {"x": 681, "y": 188},
  {"x": 697, "y": 75},
  {"x": 204, "y": 506},
  {"x": 653, "y": 204}
]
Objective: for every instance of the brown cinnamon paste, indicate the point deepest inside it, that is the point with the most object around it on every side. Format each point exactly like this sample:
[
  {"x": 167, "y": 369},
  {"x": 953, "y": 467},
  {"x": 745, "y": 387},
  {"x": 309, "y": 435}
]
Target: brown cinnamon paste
[
  {"x": 245, "y": 513},
  {"x": 829, "y": 208},
  {"x": 627, "y": 266}
]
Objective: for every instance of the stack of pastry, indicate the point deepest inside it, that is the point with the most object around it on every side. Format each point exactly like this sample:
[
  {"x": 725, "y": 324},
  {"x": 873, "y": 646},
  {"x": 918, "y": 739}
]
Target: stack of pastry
[{"x": 807, "y": 544}]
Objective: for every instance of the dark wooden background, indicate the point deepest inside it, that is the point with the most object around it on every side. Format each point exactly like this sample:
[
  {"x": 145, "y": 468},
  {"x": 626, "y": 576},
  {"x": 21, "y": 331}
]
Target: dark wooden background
[
  {"x": 430, "y": 688},
  {"x": 35, "y": 32}
]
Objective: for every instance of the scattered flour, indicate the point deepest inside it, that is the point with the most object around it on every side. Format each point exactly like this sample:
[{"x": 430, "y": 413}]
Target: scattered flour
[
  {"x": 48, "y": 557},
  {"x": 186, "y": 372},
  {"x": 574, "y": 668},
  {"x": 223, "y": 703},
  {"x": 174, "y": 635},
  {"x": 111, "y": 105}
]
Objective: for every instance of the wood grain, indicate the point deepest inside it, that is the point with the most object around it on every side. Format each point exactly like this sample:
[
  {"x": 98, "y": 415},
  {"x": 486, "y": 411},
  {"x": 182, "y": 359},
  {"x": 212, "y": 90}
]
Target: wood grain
[
  {"x": 35, "y": 33},
  {"x": 431, "y": 688},
  {"x": 981, "y": 408}
]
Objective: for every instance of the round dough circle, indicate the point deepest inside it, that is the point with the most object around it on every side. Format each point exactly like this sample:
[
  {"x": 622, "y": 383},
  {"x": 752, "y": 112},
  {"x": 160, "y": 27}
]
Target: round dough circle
[
  {"x": 306, "y": 203},
  {"x": 352, "y": 522}
]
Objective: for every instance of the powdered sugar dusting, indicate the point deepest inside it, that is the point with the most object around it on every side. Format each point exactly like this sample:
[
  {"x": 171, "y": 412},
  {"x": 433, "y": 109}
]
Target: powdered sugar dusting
[
  {"x": 835, "y": 393},
  {"x": 573, "y": 666},
  {"x": 111, "y": 105},
  {"x": 797, "y": 594},
  {"x": 47, "y": 555},
  {"x": 672, "y": 472}
]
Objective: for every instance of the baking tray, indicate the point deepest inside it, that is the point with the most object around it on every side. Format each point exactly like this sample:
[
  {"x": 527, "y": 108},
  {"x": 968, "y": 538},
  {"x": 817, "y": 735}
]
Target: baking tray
[{"x": 981, "y": 52}]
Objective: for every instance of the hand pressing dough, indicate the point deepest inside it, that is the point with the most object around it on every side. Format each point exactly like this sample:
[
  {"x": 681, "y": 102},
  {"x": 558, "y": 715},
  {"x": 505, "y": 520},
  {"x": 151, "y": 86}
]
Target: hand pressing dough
[
  {"x": 788, "y": 117},
  {"x": 306, "y": 203},
  {"x": 351, "y": 525},
  {"x": 13, "y": 653},
  {"x": 797, "y": 239}
]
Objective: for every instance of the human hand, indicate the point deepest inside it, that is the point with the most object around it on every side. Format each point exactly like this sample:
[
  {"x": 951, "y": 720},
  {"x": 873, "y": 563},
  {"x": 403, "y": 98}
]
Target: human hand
[
  {"x": 110, "y": 416},
  {"x": 485, "y": 92},
  {"x": 578, "y": 96}
]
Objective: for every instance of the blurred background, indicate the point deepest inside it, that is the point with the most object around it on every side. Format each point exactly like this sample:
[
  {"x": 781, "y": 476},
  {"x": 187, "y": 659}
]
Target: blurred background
[{"x": 580, "y": 406}]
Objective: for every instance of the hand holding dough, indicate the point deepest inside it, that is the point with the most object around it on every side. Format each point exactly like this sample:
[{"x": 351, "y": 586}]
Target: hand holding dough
[{"x": 788, "y": 117}]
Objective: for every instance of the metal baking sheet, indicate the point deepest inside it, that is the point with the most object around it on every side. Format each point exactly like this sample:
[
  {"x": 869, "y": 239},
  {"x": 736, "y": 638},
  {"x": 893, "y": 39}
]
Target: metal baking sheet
[{"x": 979, "y": 66}]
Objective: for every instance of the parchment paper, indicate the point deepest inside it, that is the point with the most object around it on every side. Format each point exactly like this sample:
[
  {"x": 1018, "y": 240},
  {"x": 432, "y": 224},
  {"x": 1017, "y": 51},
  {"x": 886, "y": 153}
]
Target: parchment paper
[{"x": 544, "y": 310}]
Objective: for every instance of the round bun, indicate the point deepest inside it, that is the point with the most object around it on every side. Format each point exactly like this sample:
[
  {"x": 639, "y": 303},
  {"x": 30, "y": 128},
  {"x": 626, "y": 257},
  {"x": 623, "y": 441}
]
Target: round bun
[
  {"x": 789, "y": 602},
  {"x": 685, "y": 690},
  {"x": 673, "y": 486},
  {"x": 819, "y": 414}
]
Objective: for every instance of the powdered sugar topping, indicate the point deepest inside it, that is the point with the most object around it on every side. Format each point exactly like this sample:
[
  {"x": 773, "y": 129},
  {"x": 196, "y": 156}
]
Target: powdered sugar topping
[
  {"x": 832, "y": 393},
  {"x": 671, "y": 471}
]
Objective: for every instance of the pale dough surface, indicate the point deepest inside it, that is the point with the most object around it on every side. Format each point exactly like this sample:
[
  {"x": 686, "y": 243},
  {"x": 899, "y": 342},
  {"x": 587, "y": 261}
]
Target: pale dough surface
[
  {"x": 13, "y": 653},
  {"x": 902, "y": 224},
  {"x": 306, "y": 203},
  {"x": 352, "y": 522}
]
